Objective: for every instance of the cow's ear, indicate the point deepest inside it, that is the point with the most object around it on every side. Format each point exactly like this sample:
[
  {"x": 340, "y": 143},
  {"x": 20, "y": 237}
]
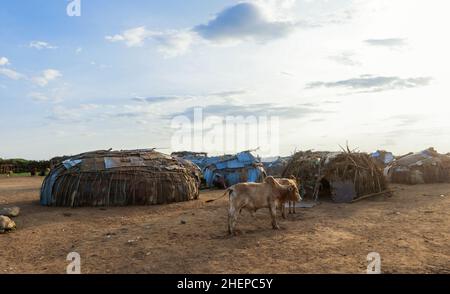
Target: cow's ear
[{"x": 292, "y": 177}]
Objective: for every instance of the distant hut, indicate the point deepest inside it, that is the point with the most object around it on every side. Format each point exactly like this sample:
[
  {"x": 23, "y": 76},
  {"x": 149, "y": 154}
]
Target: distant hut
[
  {"x": 427, "y": 166},
  {"x": 227, "y": 170},
  {"x": 275, "y": 167},
  {"x": 343, "y": 176},
  {"x": 118, "y": 178}
]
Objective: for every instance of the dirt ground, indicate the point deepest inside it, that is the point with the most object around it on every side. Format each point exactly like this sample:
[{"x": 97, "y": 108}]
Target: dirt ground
[{"x": 410, "y": 230}]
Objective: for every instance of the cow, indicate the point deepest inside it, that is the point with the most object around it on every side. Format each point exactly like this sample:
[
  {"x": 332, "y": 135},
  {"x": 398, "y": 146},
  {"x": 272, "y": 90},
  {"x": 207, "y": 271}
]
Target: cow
[
  {"x": 289, "y": 181},
  {"x": 254, "y": 196}
]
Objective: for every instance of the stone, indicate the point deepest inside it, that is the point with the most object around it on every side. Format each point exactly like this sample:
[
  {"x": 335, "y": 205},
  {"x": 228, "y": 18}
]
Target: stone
[
  {"x": 6, "y": 224},
  {"x": 10, "y": 212}
]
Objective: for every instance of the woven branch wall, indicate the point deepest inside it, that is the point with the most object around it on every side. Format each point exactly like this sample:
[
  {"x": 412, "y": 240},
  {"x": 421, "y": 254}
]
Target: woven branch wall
[{"x": 118, "y": 178}]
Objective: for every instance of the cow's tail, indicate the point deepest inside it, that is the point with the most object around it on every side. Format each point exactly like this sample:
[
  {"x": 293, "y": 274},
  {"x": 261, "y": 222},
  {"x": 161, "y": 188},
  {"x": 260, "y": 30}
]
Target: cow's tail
[{"x": 227, "y": 191}]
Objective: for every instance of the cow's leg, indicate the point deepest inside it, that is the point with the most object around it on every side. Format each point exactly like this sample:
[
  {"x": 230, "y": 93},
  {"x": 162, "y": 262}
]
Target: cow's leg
[
  {"x": 232, "y": 219},
  {"x": 232, "y": 212},
  {"x": 273, "y": 214},
  {"x": 292, "y": 207},
  {"x": 283, "y": 210}
]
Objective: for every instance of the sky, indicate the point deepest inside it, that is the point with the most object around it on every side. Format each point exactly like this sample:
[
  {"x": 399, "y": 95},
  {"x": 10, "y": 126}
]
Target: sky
[{"x": 373, "y": 74}]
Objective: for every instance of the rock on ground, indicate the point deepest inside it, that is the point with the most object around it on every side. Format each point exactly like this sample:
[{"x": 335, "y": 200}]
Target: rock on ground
[
  {"x": 6, "y": 224},
  {"x": 10, "y": 212}
]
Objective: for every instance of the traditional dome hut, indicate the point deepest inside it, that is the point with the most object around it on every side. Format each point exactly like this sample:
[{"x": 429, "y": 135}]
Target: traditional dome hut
[
  {"x": 118, "y": 178},
  {"x": 427, "y": 166},
  {"x": 343, "y": 176}
]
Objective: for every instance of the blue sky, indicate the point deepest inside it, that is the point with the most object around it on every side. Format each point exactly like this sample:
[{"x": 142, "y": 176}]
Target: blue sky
[{"x": 374, "y": 73}]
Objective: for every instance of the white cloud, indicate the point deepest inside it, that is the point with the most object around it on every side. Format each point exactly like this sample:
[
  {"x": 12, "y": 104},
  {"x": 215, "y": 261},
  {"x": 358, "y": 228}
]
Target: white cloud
[
  {"x": 39, "y": 97},
  {"x": 78, "y": 50},
  {"x": 370, "y": 84},
  {"x": 9, "y": 73},
  {"x": 62, "y": 113},
  {"x": 345, "y": 58},
  {"x": 41, "y": 80},
  {"x": 277, "y": 10},
  {"x": 134, "y": 37},
  {"x": 4, "y": 61},
  {"x": 174, "y": 43},
  {"x": 14, "y": 75},
  {"x": 170, "y": 43},
  {"x": 262, "y": 20},
  {"x": 47, "y": 76},
  {"x": 54, "y": 95},
  {"x": 41, "y": 45}
]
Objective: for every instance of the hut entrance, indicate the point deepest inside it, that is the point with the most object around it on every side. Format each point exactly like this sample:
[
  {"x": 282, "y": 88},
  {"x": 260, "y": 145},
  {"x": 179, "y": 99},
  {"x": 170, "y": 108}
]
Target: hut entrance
[{"x": 325, "y": 190}]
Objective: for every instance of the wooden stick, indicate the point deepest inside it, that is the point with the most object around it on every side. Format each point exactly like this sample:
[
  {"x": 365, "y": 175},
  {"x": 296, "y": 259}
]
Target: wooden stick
[{"x": 370, "y": 195}]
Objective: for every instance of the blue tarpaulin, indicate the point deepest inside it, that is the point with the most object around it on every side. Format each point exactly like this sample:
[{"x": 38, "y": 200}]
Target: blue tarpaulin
[
  {"x": 233, "y": 169},
  {"x": 383, "y": 156}
]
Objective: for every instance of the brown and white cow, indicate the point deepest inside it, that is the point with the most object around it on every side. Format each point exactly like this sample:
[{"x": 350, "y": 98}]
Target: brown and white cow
[
  {"x": 254, "y": 196},
  {"x": 289, "y": 181}
]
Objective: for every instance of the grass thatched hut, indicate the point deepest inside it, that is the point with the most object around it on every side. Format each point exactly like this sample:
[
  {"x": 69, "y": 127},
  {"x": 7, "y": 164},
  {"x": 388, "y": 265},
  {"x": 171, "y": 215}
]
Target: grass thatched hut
[
  {"x": 343, "y": 176},
  {"x": 117, "y": 178},
  {"x": 424, "y": 167}
]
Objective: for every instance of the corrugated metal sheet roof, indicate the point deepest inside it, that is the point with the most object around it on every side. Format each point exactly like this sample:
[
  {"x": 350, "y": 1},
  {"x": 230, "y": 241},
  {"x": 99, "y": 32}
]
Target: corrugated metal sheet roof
[{"x": 242, "y": 167}]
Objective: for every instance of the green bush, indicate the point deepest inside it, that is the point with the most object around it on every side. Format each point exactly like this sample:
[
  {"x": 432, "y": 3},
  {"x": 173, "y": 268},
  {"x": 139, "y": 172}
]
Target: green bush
[{"x": 23, "y": 166}]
